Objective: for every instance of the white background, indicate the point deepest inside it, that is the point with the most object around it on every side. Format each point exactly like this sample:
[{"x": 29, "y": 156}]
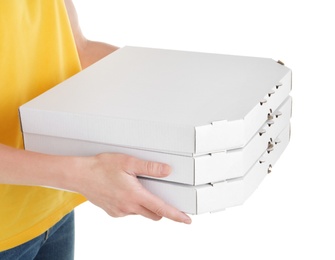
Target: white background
[{"x": 291, "y": 215}]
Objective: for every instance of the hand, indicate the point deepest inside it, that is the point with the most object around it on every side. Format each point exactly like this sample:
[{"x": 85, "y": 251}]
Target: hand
[{"x": 111, "y": 183}]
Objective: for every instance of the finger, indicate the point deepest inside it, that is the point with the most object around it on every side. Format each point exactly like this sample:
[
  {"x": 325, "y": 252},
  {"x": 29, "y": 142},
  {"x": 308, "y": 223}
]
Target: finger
[
  {"x": 141, "y": 167},
  {"x": 160, "y": 208},
  {"x": 148, "y": 214}
]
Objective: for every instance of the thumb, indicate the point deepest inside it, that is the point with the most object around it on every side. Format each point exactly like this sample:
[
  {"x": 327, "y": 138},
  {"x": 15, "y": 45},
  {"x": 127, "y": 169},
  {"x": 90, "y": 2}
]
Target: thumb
[{"x": 149, "y": 168}]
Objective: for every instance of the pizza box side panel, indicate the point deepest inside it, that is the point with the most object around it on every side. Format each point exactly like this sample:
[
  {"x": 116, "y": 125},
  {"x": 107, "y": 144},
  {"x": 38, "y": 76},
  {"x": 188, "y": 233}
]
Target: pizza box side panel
[{"x": 234, "y": 163}]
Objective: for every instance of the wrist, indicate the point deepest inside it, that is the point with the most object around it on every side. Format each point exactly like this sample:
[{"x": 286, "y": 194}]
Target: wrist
[
  {"x": 72, "y": 174},
  {"x": 77, "y": 177}
]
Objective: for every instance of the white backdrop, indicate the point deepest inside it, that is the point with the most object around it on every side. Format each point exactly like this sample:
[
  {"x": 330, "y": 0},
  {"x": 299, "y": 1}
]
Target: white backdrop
[{"x": 291, "y": 215}]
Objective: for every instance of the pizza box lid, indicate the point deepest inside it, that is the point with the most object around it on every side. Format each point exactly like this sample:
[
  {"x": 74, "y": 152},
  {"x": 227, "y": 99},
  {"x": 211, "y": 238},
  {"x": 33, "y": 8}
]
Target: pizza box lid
[{"x": 177, "y": 102}]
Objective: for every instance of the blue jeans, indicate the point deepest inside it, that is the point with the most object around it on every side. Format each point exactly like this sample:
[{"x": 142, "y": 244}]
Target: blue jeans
[{"x": 57, "y": 243}]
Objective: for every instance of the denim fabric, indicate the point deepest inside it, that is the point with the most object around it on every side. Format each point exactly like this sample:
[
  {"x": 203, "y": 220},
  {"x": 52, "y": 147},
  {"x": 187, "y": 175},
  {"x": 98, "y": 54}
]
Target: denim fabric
[{"x": 57, "y": 243}]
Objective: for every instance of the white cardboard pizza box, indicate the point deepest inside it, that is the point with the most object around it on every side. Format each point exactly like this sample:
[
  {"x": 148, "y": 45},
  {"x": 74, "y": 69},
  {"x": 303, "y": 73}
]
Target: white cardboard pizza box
[
  {"x": 192, "y": 170},
  {"x": 169, "y": 101},
  {"x": 218, "y": 196}
]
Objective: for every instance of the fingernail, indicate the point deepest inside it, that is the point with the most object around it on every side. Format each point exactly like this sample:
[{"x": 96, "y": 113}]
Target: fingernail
[
  {"x": 165, "y": 170},
  {"x": 187, "y": 220}
]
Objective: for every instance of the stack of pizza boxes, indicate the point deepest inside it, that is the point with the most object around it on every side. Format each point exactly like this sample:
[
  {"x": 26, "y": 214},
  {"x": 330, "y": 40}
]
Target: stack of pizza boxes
[{"x": 220, "y": 121}]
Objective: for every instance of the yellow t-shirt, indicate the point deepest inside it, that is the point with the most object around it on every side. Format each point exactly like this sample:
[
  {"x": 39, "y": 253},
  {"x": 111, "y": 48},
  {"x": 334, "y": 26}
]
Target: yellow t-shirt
[{"x": 37, "y": 51}]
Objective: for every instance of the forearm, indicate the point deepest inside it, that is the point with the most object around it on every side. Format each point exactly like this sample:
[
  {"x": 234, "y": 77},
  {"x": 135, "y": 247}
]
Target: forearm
[{"x": 21, "y": 167}]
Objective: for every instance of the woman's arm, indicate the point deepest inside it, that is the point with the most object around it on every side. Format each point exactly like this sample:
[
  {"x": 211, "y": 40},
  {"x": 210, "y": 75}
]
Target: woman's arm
[
  {"x": 89, "y": 51},
  {"x": 107, "y": 180}
]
